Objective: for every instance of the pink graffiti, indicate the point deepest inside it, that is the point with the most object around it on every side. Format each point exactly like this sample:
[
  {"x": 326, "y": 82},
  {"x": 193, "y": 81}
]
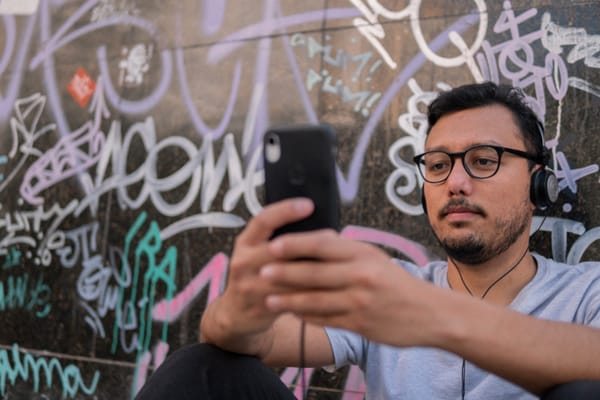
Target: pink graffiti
[
  {"x": 355, "y": 385},
  {"x": 354, "y": 388},
  {"x": 160, "y": 353},
  {"x": 292, "y": 375},
  {"x": 213, "y": 272},
  {"x": 413, "y": 250},
  {"x": 143, "y": 364}
]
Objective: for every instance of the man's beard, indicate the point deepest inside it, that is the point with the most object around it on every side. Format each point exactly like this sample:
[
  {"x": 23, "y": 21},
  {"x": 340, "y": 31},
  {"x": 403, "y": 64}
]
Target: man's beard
[{"x": 473, "y": 249}]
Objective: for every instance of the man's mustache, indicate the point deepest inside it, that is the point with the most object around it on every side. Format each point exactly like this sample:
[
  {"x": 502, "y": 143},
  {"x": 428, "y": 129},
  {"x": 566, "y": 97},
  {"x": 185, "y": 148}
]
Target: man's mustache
[{"x": 460, "y": 205}]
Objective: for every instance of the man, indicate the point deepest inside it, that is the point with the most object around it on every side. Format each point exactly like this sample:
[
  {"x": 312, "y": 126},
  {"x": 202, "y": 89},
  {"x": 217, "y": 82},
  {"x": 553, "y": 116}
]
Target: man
[{"x": 477, "y": 326}]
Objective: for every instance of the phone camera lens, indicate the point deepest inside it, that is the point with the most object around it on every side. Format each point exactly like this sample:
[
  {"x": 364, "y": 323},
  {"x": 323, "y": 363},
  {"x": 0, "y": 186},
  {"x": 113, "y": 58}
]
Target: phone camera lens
[{"x": 272, "y": 148}]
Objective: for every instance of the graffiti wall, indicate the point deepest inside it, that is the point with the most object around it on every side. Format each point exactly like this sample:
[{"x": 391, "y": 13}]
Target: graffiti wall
[{"x": 130, "y": 156}]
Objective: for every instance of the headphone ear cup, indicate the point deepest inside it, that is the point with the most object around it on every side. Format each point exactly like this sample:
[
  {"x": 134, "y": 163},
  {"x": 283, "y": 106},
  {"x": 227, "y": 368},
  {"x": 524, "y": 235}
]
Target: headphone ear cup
[
  {"x": 423, "y": 203},
  {"x": 543, "y": 189}
]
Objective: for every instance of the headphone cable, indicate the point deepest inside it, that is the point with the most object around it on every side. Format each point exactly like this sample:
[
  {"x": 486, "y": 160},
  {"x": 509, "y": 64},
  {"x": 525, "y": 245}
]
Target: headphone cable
[
  {"x": 462, "y": 280},
  {"x": 302, "y": 358}
]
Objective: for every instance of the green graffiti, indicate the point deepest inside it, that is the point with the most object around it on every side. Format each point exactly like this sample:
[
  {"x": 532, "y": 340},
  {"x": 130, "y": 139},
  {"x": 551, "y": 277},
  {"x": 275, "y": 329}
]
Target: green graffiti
[
  {"x": 12, "y": 258},
  {"x": 18, "y": 292},
  {"x": 15, "y": 364},
  {"x": 156, "y": 272}
]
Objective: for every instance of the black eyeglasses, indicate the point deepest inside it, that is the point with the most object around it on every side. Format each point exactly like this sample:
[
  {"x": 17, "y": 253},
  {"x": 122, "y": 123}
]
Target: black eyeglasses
[{"x": 480, "y": 162}]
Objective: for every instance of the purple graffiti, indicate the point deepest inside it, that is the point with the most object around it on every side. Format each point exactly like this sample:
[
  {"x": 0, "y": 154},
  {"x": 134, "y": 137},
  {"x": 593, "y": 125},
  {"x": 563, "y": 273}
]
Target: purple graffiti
[
  {"x": 516, "y": 61},
  {"x": 72, "y": 155},
  {"x": 55, "y": 41},
  {"x": 7, "y": 101},
  {"x": 212, "y": 16},
  {"x": 232, "y": 42},
  {"x": 349, "y": 186}
]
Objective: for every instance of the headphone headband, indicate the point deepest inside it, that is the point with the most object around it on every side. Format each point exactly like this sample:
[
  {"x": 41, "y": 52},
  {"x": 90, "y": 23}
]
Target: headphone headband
[{"x": 544, "y": 157}]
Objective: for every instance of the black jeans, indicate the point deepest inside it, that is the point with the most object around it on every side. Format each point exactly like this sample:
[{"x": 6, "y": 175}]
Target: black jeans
[
  {"x": 203, "y": 371},
  {"x": 583, "y": 390}
]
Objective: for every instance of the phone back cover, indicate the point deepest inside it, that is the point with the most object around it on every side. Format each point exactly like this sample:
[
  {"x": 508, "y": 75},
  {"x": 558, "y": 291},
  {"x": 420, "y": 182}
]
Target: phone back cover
[{"x": 306, "y": 168}]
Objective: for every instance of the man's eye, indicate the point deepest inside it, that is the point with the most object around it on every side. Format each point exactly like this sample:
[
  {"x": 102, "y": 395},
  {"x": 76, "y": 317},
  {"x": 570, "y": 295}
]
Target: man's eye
[
  {"x": 484, "y": 163},
  {"x": 438, "y": 166}
]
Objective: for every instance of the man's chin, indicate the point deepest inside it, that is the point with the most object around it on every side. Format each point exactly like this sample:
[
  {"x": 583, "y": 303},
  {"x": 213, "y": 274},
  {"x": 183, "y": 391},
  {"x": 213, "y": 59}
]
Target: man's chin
[
  {"x": 469, "y": 256},
  {"x": 464, "y": 248}
]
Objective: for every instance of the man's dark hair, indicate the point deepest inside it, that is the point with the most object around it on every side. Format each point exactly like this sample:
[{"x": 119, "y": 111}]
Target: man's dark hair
[{"x": 488, "y": 93}]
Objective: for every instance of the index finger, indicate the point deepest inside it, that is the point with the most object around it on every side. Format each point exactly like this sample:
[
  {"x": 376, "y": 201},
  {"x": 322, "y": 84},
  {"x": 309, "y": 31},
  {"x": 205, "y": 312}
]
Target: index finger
[
  {"x": 324, "y": 244},
  {"x": 261, "y": 227}
]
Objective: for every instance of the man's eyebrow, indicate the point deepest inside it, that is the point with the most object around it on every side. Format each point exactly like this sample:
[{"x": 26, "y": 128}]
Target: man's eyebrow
[{"x": 486, "y": 143}]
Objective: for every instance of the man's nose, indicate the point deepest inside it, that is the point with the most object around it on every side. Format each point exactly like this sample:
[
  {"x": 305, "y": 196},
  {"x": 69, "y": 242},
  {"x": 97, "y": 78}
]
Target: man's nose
[{"x": 459, "y": 180}]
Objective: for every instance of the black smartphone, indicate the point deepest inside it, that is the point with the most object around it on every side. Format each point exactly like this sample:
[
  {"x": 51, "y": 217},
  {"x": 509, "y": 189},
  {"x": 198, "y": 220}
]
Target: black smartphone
[{"x": 300, "y": 161}]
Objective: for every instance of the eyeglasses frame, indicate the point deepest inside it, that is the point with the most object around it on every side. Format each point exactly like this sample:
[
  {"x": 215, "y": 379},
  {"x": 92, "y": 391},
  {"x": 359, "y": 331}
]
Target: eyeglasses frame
[{"x": 418, "y": 159}]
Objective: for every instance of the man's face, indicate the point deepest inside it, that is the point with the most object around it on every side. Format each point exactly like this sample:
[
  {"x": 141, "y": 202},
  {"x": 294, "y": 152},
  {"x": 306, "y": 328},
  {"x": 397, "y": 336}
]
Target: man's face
[{"x": 477, "y": 219}]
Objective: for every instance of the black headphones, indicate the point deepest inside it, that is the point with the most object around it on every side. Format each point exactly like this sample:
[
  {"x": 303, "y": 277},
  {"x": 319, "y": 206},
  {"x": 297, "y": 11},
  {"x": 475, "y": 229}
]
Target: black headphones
[{"x": 543, "y": 188}]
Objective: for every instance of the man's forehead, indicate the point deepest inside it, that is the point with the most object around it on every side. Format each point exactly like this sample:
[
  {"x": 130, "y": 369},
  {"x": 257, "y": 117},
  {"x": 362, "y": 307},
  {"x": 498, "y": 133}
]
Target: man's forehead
[{"x": 493, "y": 124}]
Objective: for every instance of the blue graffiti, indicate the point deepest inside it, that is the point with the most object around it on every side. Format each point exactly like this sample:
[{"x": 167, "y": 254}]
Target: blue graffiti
[{"x": 17, "y": 364}]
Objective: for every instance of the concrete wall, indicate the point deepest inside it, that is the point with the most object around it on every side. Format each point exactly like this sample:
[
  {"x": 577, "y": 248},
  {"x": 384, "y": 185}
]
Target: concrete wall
[{"x": 130, "y": 146}]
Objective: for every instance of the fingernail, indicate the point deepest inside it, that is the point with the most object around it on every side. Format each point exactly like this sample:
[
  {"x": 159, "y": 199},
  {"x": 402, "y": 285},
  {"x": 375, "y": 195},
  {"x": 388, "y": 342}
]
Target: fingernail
[
  {"x": 273, "y": 302},
  {"x": 276, "y": 246},
  {"x": 267, "y": 271},
  {"x": 303, "y": 205}
]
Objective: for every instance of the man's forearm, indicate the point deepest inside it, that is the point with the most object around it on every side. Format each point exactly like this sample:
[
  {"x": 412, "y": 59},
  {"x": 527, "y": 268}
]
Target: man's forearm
[
  {"x": 277, "y": 346},
  {"x": 216, "y": 328},
  {"x": 533, "y": 353}
]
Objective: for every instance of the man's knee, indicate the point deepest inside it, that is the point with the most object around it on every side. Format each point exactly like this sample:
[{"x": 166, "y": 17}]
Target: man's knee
[
  {"x": 574, "y": 390},
  {"x": 208, "y": 372}
]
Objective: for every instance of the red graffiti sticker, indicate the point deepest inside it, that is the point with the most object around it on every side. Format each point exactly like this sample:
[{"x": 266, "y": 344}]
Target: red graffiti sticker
[{"x": 81, "y": 87}]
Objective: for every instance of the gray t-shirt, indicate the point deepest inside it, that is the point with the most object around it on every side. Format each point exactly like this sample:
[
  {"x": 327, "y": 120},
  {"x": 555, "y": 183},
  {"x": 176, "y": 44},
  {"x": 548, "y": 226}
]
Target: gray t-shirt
[{"x": 558, "y": 292}]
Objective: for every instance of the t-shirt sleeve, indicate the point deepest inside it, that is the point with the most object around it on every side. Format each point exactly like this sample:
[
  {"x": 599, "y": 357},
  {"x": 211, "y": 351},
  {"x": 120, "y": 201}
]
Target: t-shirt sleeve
[
  {"x": 348, "y": 347},
  {"x": 591, "y": 305},
  {"x": 562, "y": 292}
]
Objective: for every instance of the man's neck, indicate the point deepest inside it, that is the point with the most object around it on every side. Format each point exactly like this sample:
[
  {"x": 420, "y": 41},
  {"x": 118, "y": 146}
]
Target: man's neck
[{"x": 498, "y": 280}]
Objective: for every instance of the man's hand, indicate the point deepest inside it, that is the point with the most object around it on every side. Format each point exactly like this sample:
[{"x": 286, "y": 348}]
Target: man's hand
[
  {"x": 239, "y": 320},
  {"x": 351, "y": 285}
]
